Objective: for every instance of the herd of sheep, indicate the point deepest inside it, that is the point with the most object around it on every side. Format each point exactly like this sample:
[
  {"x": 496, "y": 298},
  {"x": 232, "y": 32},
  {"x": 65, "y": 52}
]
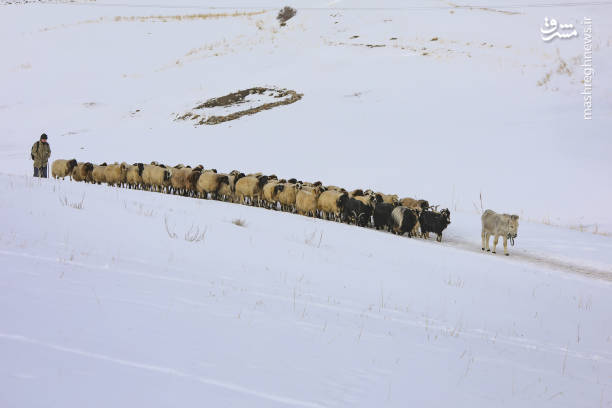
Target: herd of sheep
[{"x": 365, "y": 208}]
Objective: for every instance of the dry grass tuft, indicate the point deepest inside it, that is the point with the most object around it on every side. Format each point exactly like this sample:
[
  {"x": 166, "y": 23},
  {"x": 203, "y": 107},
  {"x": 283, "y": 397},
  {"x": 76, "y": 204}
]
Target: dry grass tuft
[
  {"x": 78, "y": 205},
  {"x": 171, "y": 233},
  {"x": 544, "y": 80},
  {"x": 481, "y": 209},
  {"x": 187, "y": 17},
  {"x": 159, "y": 19},
  {"x": 239, "y": 222},
  {"x": 194, "y": 234},
  {"x": 509, "y": 13}
]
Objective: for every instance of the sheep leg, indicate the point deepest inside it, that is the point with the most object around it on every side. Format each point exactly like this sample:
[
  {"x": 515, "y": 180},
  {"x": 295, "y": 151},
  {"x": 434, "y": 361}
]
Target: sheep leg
[
  {"x": 439, "y": 237},
  {"x": 495, "y": 241},
  {"x": 482, "y": 235},
  {"x": 506, "y": 245},
  {"x": 487, "y": 240}
]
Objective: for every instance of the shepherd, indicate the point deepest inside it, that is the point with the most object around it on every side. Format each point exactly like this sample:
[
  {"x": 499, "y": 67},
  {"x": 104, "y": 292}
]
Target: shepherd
[{"x": 41, "y": 151}]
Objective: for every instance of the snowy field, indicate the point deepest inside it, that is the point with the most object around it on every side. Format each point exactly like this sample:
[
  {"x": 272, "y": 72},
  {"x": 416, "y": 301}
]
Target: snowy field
[
  {"x": 143, "y": 299},
  {"x": 112, "y": 297}
]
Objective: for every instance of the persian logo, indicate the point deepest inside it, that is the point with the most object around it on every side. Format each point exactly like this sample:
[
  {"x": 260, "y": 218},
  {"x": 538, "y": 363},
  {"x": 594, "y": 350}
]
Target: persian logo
[{"x": 551, "y": 30}]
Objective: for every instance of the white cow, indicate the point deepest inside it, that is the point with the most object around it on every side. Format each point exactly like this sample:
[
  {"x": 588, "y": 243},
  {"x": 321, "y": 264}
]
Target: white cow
[{"x": 504, "y": 225}]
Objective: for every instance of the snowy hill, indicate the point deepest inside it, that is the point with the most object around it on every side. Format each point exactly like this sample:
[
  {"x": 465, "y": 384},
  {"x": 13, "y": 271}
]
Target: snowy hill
[
  {"x": 166, "y": 301},
  {"x": 465, "y": 112},
  {"x": 112, "y": 297}
]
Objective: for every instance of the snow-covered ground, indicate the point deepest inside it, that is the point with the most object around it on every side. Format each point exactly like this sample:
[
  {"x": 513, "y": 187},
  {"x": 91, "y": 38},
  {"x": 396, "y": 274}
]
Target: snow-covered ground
[
  {"x": 144, "y": 299},
  {"x": 111, "y": 297}
]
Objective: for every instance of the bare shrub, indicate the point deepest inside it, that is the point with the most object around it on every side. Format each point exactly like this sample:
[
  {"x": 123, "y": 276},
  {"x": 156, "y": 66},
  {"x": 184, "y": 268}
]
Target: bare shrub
[
  {"x": 78, "y": 205},
  {"x": 285, "y": 15},
  {"x": 194, "y": 234},
  {"x": 171, "y": 233},
  {"x": 481, "y": 209}
]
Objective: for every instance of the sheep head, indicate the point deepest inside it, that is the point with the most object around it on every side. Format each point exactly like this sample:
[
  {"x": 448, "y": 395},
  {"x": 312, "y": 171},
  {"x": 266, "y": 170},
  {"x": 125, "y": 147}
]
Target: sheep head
[
  {"x": 278, "y": 188},
  {"x": 262, "y": 181},
  {"x": 70, "y": 165}
]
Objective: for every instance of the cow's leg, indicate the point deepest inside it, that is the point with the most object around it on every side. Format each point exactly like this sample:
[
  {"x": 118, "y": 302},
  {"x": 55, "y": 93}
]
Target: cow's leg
[
  {"x": 495, "y": 241},
  {"x": 482, "y": 235},
  {"x": 487, "y": 240},
  {"x": 506, "y": 245}
]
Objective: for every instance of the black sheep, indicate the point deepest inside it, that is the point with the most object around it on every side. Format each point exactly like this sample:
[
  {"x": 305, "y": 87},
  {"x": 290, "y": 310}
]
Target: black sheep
[
  {"x": 357, "y": 212},
  {"x": 434, "y": 222},
  {"x": 382, "y": 215}
]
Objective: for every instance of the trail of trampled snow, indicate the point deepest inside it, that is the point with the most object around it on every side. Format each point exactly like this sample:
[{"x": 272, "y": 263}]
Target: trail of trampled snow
[{"x": 100, "y": 306}]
